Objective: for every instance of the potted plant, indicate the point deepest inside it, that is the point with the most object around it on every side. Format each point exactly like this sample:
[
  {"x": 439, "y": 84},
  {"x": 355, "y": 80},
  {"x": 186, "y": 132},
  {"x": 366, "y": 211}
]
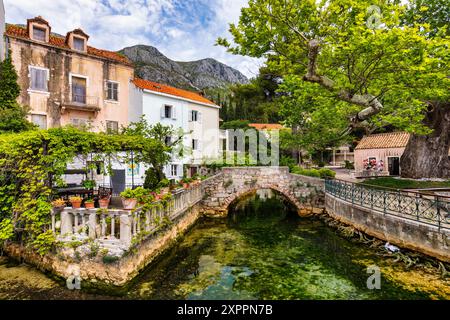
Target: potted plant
[
  {"x": 88, "y": 184},
  {"x": 59, "y": 204},
  {"x": 164, "y": 186},
  {"x": 129, "y": 200},
  {"x": 142, "y": 195},
  {"x": 89, "y": 204},
  {"x": 76, "y": 202},
  {"x": 104, "y": 202}
]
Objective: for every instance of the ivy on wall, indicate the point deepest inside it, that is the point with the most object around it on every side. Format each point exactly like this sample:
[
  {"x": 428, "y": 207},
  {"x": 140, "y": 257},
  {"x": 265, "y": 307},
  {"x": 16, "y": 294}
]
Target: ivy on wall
[{"x": 32, "y": 162}]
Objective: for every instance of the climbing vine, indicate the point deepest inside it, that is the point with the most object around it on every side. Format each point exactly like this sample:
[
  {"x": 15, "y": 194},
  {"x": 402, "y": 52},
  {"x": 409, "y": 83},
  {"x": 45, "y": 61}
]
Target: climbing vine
[{"x": 33, "y": 162}]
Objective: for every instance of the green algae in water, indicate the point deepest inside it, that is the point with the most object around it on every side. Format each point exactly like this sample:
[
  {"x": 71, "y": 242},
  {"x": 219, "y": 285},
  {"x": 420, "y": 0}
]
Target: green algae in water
[
  {"x": 265, "y": 251},
  {"x": 262, "y": 251}
]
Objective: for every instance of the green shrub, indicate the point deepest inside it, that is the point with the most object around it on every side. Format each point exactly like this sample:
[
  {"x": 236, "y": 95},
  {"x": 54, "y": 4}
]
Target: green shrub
[
  {"x": 151, "y": 179},
  {"x": 321, "y": 173}
]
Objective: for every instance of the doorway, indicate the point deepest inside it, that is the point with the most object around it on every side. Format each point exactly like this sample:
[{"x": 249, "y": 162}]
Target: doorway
[
  {"x": 118, "y": 181},
  {"x": 394, "y": 166}
]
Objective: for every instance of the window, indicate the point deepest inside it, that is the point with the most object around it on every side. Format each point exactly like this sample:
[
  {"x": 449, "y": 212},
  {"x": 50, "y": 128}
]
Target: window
[
  {"x": 78, "y": 44},
  {"x": 168, "y": 112},
  {"x": 79, "y": 90},
  {"x": 79, "y": 123},
  {"x": 168, "y": 140},
  {"x": 39, "y": 120},
  {"x": 194, "y": 144},
  {"x": 38, "y": 79},
  {"x": 112, "y": 126},
  {"x": 112, "y": 91},
  {"x": 194, "y": 116},
  {"x": 39, "y": 34},
  {"x": 174, "y": 170}
]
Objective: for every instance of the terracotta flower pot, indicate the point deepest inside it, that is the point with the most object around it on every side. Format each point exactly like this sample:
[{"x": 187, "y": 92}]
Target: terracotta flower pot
[
  {"x": 89, "y": 205},
  {"x": 186, "y": 185},
  {"x": 103, "y": 203},
  {"x": 76, "y": 204},
  {"x": 58, "y": 209},
  {"x": 129, "y": 204}
]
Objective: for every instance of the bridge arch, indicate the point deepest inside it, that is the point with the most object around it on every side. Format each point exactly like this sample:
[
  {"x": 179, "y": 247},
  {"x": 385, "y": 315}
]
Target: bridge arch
[{"x": 304, "y": 193}]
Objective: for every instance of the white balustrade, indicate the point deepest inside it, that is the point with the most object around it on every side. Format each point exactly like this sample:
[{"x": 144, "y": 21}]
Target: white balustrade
[{"x": 120, "y": 225}]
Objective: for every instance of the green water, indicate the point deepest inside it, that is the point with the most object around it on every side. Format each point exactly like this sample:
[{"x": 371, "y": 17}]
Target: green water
[{"x": 262, "y": 251}]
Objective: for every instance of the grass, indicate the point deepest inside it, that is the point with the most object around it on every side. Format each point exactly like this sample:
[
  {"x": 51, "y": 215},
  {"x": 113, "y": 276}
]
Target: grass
[{"x": 394, "y": 183}]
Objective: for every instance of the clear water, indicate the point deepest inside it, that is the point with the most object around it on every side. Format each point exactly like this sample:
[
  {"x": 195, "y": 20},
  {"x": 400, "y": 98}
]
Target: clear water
[{"x": 262, "y": 251}]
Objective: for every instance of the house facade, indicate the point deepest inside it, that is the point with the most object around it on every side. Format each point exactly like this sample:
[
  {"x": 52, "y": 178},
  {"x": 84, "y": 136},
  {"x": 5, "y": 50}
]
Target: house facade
[
  {"x": 189, "y": 113},
  {"x": 65, "y": 81},
  {"x": 385, "y": 147}
]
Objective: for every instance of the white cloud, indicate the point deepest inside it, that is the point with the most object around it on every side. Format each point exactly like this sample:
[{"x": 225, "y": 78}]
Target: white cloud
[{"x": 184, "y": 30}]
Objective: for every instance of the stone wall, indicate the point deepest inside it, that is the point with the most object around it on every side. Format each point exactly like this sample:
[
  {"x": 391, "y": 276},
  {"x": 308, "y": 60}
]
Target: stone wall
[
  {"x": 305, "y": 193},
  {"x": 94, "y": 273},
  {"x": 404, "y": 233}
]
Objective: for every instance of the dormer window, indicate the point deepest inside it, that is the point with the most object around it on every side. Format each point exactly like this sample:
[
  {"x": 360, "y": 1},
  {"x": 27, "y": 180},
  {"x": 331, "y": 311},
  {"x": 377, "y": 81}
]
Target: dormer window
[
  {"x": 78, "y": 44},
  {"x": 39, "y": 34},
  {"x": 39, "y": 29},
  {"x": 77, "y": 40}
]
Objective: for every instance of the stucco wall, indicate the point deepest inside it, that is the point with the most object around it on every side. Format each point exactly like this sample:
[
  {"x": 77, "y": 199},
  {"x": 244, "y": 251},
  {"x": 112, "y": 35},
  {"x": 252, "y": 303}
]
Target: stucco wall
[
  {"x": 380, "y": 154},
  {"x": 61, "y": 65},
  {"x": 401, "y": 232}
]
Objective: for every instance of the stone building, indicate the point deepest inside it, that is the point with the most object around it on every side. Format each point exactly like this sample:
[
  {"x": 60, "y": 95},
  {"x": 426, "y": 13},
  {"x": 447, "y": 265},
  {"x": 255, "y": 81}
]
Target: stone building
[{"x": 65, "y": 81}]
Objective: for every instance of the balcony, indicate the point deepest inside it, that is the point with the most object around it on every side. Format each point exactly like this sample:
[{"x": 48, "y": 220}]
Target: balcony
[{"x": 82, "y": 103}]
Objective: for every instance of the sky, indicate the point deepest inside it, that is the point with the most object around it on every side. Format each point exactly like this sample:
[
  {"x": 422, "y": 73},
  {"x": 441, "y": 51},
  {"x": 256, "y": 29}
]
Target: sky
[{"x": 183, "y": 30}]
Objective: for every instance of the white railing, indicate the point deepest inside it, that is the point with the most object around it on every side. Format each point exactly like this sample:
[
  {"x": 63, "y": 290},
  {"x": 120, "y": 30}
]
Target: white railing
[{"x": 121, "y": 226}]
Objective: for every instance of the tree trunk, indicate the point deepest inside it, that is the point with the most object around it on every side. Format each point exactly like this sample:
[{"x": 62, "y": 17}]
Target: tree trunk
[{"x": 428, "y": 156}]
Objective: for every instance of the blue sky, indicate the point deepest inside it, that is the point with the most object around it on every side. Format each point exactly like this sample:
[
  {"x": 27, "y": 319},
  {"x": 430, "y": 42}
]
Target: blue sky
[{"x": 183, "y": 30}]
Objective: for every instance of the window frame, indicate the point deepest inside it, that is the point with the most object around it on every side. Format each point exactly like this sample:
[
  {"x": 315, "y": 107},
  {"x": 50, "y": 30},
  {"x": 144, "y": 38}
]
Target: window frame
[
  {"x": 74, "y": 39},
  {"x": 170, "y": 112},
  {"x": 43, "y": 29},
  {"x": 30, "y": 76},
  {"x": 117, "y": 90},
  {"x": 172, "y": 167},
  {"x": 195, "y": 144},
  {"x": 116, "y": 130},
  {"x": 39, "y": 115}
]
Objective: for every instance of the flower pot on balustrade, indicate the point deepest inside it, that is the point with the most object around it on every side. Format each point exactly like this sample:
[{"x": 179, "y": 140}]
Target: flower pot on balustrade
[
  {"x": 164, "y": 191},
  {"x": 103, "y": 203},
  {"x": 186, "y": 185},
  {"x": 89, "y": 204},
  {"x": 76, "y": 202},
  {"x": 129, "y": 204}
]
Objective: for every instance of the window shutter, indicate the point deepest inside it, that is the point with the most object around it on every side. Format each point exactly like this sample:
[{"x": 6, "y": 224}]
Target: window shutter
[
  {"x": 200, "y": 145},
  {"x": 174, "y": 113},
  {"x": 163, "y": 112},
  {"x": 191, "y": 116},
  {"x": 199, "y": 115}
]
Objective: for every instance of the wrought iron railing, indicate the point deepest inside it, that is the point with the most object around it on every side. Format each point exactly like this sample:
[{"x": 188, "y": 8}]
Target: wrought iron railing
[{"x": 418, "y": 206}]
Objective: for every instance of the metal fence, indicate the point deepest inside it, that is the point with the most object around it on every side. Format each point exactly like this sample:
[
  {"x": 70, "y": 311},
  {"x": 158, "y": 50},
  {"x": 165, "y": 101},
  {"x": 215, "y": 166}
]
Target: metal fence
[{"x": 427, "y": 208}]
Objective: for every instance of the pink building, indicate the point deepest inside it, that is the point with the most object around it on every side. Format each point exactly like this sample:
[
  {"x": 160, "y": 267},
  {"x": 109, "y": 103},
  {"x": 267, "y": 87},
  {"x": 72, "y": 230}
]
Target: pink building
[
  {"x": 384, "y": 150},
  {"x": 65, "y": 81}
]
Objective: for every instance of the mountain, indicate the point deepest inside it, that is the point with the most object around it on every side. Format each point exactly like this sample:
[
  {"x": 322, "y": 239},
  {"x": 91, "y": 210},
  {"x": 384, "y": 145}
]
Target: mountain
[{"x": 152, "y": 65}]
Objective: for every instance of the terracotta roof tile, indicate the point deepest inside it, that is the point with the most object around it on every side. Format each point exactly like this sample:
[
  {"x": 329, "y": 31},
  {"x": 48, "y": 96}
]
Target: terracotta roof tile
[
  {"x": 60, "y": 42},
  {"x": 384, "y": 140},
  {"x": 266, "y": 126},
  {"x": 161, "y": 88}
]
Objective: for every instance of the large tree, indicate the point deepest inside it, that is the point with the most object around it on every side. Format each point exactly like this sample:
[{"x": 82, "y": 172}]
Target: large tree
[{"x": 386, "y": 71}]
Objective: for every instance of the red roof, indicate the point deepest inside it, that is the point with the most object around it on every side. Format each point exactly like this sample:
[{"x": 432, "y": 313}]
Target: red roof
[
  {"x": 60, "y": 42},
  {"x": 384, "y": 140},
  {"x": 266, "y": 126},
  {"x": 161, "y": 88}
]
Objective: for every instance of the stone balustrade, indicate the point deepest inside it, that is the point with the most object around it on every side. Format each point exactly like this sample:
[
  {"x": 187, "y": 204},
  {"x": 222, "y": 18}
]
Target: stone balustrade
[{"x": 112, "y": 228}]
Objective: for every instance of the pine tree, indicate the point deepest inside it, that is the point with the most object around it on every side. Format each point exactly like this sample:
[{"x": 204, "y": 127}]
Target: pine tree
[
  {"x": 13, "y": 117},
  {"x": 9, "y": 88}
]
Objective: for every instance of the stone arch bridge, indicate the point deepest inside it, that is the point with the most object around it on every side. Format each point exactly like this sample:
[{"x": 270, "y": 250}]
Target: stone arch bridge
[{"x": 305, "y": 193}]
